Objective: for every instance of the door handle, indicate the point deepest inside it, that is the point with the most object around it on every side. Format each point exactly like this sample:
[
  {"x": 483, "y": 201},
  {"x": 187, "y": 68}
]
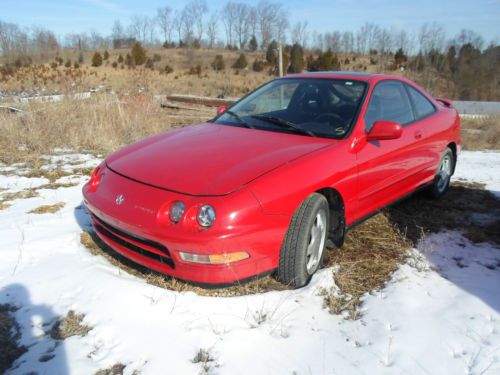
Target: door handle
[{"x": 418, "y": 134}]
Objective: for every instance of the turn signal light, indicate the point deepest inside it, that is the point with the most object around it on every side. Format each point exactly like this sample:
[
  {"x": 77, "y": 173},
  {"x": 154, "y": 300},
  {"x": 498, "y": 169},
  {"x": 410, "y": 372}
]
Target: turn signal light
[{"x": 224, "y": 258}]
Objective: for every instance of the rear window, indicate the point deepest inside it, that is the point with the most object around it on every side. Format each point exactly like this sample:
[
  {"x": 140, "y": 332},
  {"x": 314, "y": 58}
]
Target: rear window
[{"x": 423, "y": 107}]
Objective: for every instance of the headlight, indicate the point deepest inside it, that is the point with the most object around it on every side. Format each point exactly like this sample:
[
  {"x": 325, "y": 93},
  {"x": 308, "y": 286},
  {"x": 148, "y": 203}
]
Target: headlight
[
  {"x": 206, "y": 216},
  {"x": 176, "y": 211}
]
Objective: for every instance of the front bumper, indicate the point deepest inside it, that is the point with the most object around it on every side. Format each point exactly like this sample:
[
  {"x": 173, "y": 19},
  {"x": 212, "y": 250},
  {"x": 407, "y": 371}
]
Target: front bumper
[{"x": 135, "y": 230}]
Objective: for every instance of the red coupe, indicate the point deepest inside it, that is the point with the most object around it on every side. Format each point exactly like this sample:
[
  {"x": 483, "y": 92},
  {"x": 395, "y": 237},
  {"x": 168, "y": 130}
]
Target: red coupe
[{"x": 264, "y": 185}]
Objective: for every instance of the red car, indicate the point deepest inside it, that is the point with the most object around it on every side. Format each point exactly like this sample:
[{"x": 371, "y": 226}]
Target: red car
[{"x": 265, "y": 184}]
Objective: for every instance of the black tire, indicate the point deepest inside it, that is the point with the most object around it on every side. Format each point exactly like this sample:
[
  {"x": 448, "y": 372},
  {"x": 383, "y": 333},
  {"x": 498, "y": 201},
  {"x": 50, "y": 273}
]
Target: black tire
[
  {"x": 441, "y": 182},
  {"x": 296, "y": 267}
]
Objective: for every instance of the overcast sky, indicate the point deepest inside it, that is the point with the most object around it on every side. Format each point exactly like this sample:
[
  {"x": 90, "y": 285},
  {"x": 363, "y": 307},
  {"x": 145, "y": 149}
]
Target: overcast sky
[{"x": 66, "y": 16}]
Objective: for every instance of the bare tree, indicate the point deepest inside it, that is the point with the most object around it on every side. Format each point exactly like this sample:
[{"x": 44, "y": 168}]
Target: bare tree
[
  {"x": 332, "y": 41},
  {"x": 268, "y": 15},
  {"x": 177, "y": 24},
  {"x": 299, "y": 33},
  {"x": 139, "y": 27},
  {"x": 117, "y": 32},
  {"x": 228, "y": 18},
  {"x": 212, "y": 27},
  {"x": 431, "y": 37},
  {"x": 187, "y": 25},
  {"x": 13, "y": 41},
  {"x": 402, "y": 39},
  {"x": 242, "y": 23},
  {"x": 165, "y": 22},
  {"x": 195, "y": 12},
  {"x": 347, "y": 41}
]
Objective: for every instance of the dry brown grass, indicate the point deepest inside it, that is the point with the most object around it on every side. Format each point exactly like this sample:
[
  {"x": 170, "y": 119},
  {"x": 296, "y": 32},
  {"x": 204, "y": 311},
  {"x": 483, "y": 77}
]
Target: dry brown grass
[
  {"x": 70, "y": 325},
  {"x": 481, "y": 134},
  {"x": 48, "y": 208},
  {"x": 116, "y": 369},
  {"x": 97, "y": 247},
  {"x": 371, "y": 253},
  {"x": 10, "y": 333},
  {"x": 6, "y": 198}
]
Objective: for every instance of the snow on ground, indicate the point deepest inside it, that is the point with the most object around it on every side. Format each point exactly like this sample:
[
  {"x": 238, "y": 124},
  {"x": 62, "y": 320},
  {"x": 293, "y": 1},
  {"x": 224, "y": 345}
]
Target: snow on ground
[{"x": 440, "y": 313}]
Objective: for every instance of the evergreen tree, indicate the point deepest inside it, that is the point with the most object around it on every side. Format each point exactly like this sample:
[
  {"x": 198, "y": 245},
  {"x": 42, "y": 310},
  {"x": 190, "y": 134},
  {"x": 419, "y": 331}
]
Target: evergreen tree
[
  {"x": 96, "y": 59},
  {"x": 271, "y": 53},
  {"x": 138, "y": 54},
  {"x": 252, "y": 44},
  {"x": 296, "y": 59}
]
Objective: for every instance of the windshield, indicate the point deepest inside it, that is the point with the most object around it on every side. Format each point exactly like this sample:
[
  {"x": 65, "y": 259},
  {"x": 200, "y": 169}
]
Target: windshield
[{"x": 305, "y": 106}]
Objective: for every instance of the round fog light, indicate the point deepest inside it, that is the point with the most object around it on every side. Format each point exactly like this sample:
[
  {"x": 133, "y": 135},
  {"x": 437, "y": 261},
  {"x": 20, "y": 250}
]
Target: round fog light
[
  {"x": 206, "y": 216},
  {"x": 176, "y": 211}
]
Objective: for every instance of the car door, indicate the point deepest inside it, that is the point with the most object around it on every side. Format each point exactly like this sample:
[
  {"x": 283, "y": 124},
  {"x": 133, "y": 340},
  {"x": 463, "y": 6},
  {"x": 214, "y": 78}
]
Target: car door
[{"x": 389, "y": 169}]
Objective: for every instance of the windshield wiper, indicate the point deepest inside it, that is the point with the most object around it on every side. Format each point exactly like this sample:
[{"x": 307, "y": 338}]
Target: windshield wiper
[
  {"x": 237, "y": 117},
  {"x": 284, "y": 124}
]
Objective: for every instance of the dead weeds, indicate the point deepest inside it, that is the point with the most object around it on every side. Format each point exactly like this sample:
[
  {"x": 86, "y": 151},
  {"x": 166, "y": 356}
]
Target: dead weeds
[
  {"x": 70, "y": 325},
  {"x": 116, "y": 369},
  {"x": 48, "y": 208},
  {"x": 96, "y": 247},
  {"x": 6, "y": 198}
]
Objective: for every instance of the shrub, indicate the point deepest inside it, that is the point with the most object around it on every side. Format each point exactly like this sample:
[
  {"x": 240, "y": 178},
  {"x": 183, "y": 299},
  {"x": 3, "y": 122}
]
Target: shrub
[
  {"x": 114, "y": 64},
  {"x": 138, "y": 53},
  {"x": 156, "y": 57},
  {"x": 195, "y": 70},
  {"x": 324, "y": 61},
  {"x": 252, "y": 44},
  {"x": 296, "y": 59},
  {"x": 68, "y": 64},
  {"x": 76, "y": 65},
  {"x": 96, "y": 59},
  {"x": 168, "y": 69},
  {"x": 105, "y": 56},
  {"x": 120, "y": 58},
  {"x": 149, "y": 64},
  {"x": 271, "y": 52},
  {"x": 258, "y": 65},
  {"x": 218, "y": 63},
  {"x": 241, "y": 62}
]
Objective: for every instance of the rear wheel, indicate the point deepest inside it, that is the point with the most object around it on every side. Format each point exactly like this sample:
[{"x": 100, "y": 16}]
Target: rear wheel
[
  {"x": 443, "y": 175},
  {"x": 303, "y": 248}
]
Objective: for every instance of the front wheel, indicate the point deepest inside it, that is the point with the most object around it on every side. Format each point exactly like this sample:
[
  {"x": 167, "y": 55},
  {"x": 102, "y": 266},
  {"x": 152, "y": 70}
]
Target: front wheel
[
  {"x": 443, "y": 175},
  {"x": 303, "y": 248}
]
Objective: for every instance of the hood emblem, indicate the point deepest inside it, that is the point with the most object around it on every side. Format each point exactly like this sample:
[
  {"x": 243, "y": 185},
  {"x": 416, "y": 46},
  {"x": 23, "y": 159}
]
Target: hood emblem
[{"x": 119, "y": 199}]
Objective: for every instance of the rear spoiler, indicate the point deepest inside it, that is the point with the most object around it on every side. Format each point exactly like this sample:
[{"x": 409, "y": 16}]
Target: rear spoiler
[{"x": 446, "y": 102}]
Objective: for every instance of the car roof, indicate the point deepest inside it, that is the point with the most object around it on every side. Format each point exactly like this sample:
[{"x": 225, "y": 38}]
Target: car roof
[{"x": 355, "y": 76}]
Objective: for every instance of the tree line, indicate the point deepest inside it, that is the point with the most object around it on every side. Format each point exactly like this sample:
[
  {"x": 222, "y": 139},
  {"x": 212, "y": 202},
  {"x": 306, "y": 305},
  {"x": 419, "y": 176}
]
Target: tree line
[{"x": 237, "y": 26}]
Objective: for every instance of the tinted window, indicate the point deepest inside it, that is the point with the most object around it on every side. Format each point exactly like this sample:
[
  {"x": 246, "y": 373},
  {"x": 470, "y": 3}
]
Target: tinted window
[
  {"x": 423, "y": 107},
  {"x": 389, "y": 102}
]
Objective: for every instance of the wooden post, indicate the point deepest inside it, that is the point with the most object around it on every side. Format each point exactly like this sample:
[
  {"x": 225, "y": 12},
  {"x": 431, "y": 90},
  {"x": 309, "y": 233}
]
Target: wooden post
[{"x": 280, "y": 60}]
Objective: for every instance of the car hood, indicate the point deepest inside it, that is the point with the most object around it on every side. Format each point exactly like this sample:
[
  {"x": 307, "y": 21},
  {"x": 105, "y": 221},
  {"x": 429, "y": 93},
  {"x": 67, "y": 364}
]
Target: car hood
[{"x": 210, "y": 159}]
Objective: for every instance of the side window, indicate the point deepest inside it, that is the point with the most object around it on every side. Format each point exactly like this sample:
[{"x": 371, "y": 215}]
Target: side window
[
  {"x": 423, "y": 107},
  {"x": 390, "y": 102}
]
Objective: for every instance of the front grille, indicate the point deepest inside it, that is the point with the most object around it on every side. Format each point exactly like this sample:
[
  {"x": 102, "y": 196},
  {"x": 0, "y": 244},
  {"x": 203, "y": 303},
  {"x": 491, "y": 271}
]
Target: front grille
[{"x": 131, "y": 242}]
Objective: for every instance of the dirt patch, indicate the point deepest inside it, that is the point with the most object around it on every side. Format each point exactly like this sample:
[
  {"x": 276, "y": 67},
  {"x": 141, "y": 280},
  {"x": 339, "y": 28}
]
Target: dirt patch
[
  {"x": 9, "y": 335},
  {"x": 116, "y": 369},
  {"x": 48, "y": 208},
  {"x": 70, "y": 325}
]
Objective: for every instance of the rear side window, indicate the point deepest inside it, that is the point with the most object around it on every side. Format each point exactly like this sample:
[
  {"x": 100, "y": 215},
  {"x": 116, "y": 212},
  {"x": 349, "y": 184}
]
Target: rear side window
[
  {"x": 390, "y": 102},
  {"x": 423, "y": 107}
]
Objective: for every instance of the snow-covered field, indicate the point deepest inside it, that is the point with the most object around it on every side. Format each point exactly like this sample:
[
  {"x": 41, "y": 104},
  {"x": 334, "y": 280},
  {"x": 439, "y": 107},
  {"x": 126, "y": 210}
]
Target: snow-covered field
[{"x": 439, "y": 314}]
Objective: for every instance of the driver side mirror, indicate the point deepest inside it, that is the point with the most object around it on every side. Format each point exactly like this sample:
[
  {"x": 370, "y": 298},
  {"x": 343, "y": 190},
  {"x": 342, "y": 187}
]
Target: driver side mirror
[
  {"x": 384, "y": 130},
  {"x": 221, "y": 109}
]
